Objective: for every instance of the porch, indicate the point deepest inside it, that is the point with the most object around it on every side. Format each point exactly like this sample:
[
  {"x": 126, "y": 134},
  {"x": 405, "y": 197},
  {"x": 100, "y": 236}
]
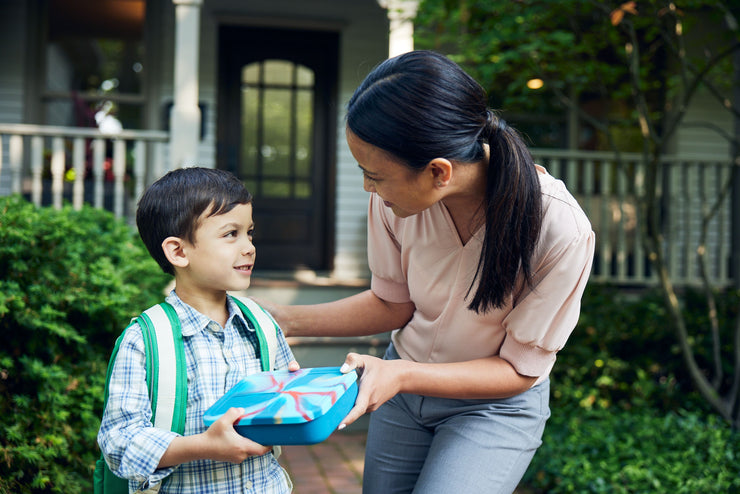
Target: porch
[{"x": 50, "y": 165}]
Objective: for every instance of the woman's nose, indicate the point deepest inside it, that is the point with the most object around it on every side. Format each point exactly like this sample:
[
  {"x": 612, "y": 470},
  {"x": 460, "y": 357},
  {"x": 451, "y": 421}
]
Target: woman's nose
[{"x": 368, "y": 185}]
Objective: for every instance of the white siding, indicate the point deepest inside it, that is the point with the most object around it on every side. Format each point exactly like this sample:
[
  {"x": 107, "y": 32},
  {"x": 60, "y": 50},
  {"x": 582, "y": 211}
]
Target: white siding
[
  {"x": 12, "y": 41},
  {"x": 698, "y": 135},
  {"x": 364, "y": 45}
]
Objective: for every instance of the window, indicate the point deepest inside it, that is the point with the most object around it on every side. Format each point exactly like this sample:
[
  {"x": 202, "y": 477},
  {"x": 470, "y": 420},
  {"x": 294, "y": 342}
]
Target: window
[
  {"x": 277, "y": 129},
  {"x": 94, "y": 63}
]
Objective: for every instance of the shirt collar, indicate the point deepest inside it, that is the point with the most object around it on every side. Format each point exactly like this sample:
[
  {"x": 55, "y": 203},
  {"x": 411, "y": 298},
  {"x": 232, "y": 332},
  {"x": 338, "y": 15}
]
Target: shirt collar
[{"x": 193, "y": 321}]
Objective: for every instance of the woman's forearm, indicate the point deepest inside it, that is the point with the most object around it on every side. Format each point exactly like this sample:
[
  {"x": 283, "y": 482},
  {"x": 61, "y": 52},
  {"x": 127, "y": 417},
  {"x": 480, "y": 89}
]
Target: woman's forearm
[
  {"x": 485, "y": 378},
  {"x": 358, "y": 315},
  {"x": 380, "y": 380}
]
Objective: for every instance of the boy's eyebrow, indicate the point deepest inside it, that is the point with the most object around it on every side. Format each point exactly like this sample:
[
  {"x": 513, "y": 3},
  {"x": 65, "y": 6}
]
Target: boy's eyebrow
[{"x": 234, "y": 226}]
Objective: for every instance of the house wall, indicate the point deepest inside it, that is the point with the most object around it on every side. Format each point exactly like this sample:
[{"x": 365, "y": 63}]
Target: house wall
[
  {"x": 699, "y": 133},
  {"x": 13, "y": 43},
  {"x": 706, "y": 119}
]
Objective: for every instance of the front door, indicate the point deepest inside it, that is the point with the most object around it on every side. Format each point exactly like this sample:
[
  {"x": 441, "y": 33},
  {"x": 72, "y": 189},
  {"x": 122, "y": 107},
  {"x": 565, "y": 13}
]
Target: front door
[{"x": 276, "y": 131}]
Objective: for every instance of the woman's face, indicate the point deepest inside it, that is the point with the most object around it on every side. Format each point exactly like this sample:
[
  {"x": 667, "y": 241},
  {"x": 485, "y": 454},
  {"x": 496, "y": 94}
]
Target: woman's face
[{"x": 405, "y": 191}]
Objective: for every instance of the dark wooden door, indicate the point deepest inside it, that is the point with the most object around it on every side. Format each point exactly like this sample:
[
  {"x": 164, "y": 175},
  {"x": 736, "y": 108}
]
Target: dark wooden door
[{"x": 276, "y": 131}]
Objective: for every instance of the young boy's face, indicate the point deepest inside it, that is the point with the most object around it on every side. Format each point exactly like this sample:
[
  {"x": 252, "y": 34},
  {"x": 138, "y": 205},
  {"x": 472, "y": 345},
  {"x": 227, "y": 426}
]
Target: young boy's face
[{"x": 222, "y": 255}]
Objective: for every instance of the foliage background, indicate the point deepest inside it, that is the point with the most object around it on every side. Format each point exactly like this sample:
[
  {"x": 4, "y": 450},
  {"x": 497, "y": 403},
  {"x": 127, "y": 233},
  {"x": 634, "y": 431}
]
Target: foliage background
[
  {"x": 581, "y": 56},
  {"x": 625, "y": 418},
  {"x": 69, "y": 283}
]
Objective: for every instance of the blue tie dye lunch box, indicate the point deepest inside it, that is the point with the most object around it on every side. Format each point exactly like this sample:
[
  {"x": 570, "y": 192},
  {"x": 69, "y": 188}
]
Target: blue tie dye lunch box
[{"x": 286, "y": 408}]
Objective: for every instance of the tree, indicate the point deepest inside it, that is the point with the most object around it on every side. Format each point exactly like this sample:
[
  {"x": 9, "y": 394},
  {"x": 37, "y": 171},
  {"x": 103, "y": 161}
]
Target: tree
[{"x": 643, "y": 60}]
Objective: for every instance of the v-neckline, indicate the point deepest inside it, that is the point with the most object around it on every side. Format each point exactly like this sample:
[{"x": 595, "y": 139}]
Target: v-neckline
[{"x": 453, "y": 228}]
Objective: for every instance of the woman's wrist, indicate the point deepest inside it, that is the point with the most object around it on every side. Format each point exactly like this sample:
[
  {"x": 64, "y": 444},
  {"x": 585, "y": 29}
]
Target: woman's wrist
[{"x": 404, "y": 372}]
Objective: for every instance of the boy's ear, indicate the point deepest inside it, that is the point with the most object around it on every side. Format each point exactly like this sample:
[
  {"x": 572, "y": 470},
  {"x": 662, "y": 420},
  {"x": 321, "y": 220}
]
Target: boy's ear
[{"x": 174, "y": 251}]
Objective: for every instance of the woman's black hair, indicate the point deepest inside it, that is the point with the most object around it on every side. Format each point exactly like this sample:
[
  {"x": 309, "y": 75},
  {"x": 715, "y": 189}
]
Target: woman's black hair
[
  {"x": 172, "y": 206},
  {"x": 421, "y": 105}
]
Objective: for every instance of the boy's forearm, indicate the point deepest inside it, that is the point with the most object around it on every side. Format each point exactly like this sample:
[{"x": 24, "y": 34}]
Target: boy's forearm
[
  {"x": 219, "y": 443},
  {"x": 184, "y": 449}
]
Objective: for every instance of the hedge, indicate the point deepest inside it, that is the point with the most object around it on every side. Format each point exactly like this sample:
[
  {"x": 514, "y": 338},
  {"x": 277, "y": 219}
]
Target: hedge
[{"x": 69, "y": 283}]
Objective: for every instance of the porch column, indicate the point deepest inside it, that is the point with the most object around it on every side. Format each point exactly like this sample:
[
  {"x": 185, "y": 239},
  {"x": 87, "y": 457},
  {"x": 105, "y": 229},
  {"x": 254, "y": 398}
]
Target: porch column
[
  {"x": 185, "y": 115},
  {"x": 401, "y": 15}
]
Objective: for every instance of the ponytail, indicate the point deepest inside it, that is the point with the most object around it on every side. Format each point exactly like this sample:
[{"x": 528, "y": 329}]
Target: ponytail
[{"x": 513, "y": 216}]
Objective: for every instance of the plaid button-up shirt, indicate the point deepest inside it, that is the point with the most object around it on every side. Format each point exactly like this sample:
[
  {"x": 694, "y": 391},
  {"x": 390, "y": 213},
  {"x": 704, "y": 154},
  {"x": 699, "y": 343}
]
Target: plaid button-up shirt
[{"x": 217, "y": 358}]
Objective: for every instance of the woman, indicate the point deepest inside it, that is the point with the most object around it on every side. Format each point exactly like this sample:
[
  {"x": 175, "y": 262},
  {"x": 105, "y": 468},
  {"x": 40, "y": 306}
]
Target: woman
[{"x": 479, "y": 259}]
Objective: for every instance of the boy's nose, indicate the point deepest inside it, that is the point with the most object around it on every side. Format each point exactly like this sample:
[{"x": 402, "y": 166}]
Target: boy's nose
[{"x": 248, "y": 248}]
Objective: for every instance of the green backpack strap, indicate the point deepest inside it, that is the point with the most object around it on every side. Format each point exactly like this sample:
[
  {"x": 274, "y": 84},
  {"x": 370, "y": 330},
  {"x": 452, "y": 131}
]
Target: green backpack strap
[
  {"x": 265, "y": 328},
  {"x": 104, "y": 482},
  {"x": 165, "y": 352}
]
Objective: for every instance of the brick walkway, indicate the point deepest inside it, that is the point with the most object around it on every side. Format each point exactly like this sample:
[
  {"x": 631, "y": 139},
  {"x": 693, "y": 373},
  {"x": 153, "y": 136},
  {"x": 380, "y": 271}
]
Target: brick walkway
[{"x": 331, "y": 467}]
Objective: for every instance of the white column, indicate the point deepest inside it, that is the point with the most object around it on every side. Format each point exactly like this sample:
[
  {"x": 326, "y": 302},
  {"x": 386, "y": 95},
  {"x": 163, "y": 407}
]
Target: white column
[
  {"x": 401, "y": 15},
  {"x": 185, "y": 116}
]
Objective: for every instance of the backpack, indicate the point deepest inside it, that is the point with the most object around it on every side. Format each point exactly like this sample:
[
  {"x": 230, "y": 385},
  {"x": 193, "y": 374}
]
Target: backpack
[{"x": 164, "y": 350}]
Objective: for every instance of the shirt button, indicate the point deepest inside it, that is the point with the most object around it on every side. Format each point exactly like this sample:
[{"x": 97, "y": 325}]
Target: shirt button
[
  {"x": 227, "y": 353},
  {"x": 248, "y": 484}
]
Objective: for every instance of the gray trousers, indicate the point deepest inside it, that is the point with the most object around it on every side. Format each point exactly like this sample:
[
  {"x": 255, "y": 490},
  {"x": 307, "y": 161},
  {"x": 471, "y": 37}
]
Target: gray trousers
[{"x": 422, "y": 445}]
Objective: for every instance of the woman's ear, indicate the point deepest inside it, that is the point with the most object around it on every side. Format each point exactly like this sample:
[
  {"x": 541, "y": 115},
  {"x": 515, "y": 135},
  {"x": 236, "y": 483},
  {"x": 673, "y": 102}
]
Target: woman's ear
[
  {"x": 174, "y": 251},
  {"x": 441, "y": 171}
]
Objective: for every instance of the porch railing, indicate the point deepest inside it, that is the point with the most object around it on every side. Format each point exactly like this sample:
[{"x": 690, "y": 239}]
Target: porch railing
[
  {"x": 52, "y": 164},
  {"x": 688, "y": 187},
  {"x": 49, "y": 164}
]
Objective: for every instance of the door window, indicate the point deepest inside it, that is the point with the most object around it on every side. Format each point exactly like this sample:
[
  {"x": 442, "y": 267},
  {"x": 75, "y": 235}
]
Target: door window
[{"x": 277, "y": 98}]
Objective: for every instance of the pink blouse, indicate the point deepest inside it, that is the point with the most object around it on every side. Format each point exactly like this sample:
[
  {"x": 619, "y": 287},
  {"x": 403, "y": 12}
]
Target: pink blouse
[{"x": 422, "y": 259}]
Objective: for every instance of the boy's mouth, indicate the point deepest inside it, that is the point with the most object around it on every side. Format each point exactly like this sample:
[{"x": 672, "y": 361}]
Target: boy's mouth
[{"x": 244, "y": 267}]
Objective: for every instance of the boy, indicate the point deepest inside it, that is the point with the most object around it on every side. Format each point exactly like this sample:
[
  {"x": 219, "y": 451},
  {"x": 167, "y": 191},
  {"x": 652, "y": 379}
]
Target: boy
[{"x": 197, "y": 224}]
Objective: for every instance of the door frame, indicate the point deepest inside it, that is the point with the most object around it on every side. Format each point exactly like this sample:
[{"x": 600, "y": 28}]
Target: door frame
[{"x": 228, "y": 128}]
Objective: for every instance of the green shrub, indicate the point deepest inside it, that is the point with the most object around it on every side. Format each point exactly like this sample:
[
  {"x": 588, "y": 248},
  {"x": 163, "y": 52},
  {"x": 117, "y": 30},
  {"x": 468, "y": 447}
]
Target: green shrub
[
  {"x": 622, "y": 452},
  {"x": 69, "y": 283},
  {"x": 624, "y": 352},
  {"x": 625, "y": 417}
]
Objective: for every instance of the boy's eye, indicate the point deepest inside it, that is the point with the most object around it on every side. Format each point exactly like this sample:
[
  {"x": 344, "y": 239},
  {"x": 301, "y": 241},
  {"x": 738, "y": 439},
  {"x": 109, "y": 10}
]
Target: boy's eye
[
  {"x": 250, "y": 232},
  {"x": 231, "y": 233}
]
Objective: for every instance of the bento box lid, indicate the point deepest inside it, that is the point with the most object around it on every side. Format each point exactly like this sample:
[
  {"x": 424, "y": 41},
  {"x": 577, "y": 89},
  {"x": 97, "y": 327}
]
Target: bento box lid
[{"x": 284, "y": 397}]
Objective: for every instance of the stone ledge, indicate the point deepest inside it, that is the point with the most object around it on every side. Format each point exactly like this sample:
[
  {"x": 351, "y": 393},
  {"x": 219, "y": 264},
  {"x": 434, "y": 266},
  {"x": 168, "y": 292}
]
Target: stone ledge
[
  {"x": 380, "y": 340},
  {"x": 305, "y": 278}
]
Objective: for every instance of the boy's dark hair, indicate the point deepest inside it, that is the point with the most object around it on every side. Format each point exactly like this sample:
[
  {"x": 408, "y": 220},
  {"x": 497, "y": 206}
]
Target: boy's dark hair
[
  {"x": 173, "y": 205},
  {"x": 421, "y": 105}
]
